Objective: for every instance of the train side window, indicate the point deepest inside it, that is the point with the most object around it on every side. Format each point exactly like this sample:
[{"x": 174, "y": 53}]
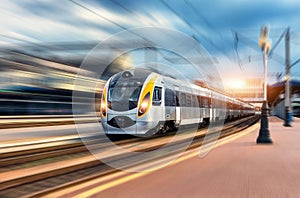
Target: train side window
[
  {"x": 234, "y": 106},
  {"x": 229, "y": 105},
  {"x": 209, "y": 102},
  {"x": 214, "y": 103},
  {"x": 222, "y": 104},
  {"x": 206, "y": 102},
  {"x": 182, "y": 99},
  {"x": 156, "y": 101},
  {"x": 188, "y": 100},
  {"x": 194, "y": 101},
  {"x": 170, "y": 98},
  {"x": 199, "y": 101},
  {"x": 217, "y": 103}
]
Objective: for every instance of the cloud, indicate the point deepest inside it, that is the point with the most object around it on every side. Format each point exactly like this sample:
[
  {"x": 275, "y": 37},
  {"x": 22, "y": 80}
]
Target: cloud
[
  {"x": 50, "y": 21},
  {"x": 211, "y": 21}
]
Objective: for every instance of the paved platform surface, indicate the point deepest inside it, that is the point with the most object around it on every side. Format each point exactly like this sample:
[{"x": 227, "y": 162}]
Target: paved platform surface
[{"x": 240, "y": 168}]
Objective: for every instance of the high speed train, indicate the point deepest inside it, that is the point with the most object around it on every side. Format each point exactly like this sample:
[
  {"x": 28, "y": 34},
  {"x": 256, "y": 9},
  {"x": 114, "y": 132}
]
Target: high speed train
[{"x": 141, "y": 102}]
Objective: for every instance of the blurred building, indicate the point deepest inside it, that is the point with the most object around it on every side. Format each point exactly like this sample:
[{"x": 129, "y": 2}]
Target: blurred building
[
  {"x": 38, "y": 83},
  {"x": 277, "y": 98}
]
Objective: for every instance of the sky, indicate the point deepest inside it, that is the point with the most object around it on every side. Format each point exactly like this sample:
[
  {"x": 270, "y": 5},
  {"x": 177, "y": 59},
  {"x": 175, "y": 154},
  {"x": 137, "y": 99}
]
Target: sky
[{"x": 212, "y": 23}]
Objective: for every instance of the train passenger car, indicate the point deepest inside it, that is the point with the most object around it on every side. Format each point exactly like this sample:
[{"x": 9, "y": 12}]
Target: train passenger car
[{"x": 143, "y": 102}]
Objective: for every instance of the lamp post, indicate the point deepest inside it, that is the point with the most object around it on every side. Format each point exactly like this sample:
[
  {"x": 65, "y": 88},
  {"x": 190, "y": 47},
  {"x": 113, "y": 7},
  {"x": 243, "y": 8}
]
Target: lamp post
[
  {"x": 264, "y": 133},
  {"x": 288, "y": 116}
]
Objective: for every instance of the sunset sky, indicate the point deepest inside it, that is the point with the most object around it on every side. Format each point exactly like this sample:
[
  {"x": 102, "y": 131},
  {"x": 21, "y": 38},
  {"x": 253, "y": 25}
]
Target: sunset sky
[{"x": 213, "y": 24}]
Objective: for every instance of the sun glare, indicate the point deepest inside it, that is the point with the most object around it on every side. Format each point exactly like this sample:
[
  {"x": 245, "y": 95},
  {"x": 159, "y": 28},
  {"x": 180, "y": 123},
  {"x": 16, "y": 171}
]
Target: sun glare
[{"x": 236, "y": 84}]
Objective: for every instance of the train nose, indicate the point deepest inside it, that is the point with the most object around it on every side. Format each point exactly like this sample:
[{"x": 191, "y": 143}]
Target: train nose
[{"x": 121, "y": 122}]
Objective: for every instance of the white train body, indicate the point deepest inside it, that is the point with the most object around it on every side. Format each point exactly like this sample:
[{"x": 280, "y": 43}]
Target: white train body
[{"x": 142, "y": 102}]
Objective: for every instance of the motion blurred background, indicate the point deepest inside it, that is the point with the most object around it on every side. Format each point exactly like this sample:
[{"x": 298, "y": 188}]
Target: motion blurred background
[{"x": 43, "y": 43}]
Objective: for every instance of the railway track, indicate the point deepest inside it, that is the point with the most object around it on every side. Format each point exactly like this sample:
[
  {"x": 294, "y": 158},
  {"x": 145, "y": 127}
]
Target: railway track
[
  {"x": 38, "y": 150},
  {"x": 49, "y": 177},
  {"x": 7, "y": 122}
]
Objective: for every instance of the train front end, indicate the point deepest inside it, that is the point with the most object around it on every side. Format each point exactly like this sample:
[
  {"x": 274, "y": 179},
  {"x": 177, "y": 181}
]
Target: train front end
[{"x": 126, "y": 104}]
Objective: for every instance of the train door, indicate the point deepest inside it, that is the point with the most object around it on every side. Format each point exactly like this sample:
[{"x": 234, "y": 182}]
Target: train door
[
  {"x": 157, "y": 104},
  {"x": 211, "y": 109},
  {"x": 177, "y": 106},
  {"x": 177, "y": 110}
]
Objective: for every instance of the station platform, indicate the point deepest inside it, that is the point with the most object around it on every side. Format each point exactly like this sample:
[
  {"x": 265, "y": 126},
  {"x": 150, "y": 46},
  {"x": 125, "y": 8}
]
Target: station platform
[{"x": 239, "y": 168}]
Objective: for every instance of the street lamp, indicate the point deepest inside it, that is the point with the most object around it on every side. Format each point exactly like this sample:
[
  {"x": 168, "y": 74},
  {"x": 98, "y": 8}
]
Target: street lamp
[
  {"x": 264, "y": 133},
  {"x": 288, "y": 113}
]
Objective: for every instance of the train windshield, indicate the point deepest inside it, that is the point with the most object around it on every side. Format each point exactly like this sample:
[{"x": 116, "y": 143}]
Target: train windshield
[{"x": 124, "y": 91}]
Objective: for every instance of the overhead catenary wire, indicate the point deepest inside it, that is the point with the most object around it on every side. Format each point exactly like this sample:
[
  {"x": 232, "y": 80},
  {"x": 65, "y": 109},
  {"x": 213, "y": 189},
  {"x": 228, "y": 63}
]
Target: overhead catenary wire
[
  {"x": 192, "y": 27},
  {"x": 276, "y": 44},
  {"x": 236, "y": 40}
]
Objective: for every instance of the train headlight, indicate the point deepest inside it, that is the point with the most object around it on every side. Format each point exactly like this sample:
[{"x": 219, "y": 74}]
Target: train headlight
[
  {"x": 103, "y": 105},
  {"x": 145, "y": 100},
  {"x": 144, "y": 105},
  {"x": 103, "y": 108}
]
